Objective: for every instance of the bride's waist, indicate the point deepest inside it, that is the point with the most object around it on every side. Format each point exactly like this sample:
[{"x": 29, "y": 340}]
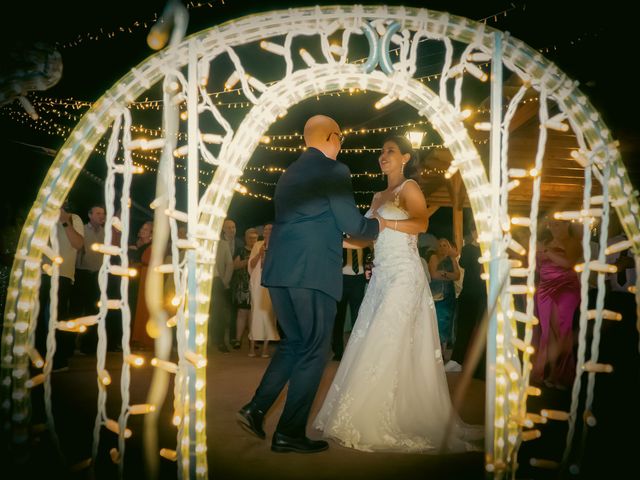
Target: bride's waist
[
  {"x": 393, "y": 237},
  {"x": 395, "y": 250}
]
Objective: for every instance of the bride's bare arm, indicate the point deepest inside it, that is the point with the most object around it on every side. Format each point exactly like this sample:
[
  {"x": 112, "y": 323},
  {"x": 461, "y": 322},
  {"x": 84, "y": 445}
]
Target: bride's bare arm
[{"x": 416, "y": 206}]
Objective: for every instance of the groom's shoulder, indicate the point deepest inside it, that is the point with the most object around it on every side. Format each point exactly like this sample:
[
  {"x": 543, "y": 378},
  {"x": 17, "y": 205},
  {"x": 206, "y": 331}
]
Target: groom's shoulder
[
  {"x": 315, "y": 161},
  {"x": 339, "y": 168}
]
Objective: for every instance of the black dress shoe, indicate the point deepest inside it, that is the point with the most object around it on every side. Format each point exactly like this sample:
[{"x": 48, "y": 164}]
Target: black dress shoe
[
  {"x": 282, "y": 443},
  {"x": 251, "y": 419}
]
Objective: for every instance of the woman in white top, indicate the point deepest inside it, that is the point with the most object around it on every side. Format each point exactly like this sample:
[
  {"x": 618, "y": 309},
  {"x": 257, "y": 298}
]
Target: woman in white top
[{"x": 263, "y": 318}]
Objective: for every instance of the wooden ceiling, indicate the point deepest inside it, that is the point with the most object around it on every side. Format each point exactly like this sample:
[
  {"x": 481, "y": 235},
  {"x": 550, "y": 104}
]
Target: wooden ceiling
[{"x": 562, "y": 185}]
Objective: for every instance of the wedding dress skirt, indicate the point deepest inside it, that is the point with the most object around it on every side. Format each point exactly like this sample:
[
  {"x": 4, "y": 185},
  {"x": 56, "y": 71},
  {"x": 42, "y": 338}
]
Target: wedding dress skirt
[{"x": 390, "y": 391}]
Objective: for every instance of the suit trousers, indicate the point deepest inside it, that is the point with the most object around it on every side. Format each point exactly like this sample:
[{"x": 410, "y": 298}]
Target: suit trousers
[
  {"x": 352, "y": 295},
  {"x": 306, "y": 317}
]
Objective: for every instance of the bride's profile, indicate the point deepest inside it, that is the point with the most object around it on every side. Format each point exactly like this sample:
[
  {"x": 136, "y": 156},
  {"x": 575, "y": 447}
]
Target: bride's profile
[{"x": 390, "y": 391}]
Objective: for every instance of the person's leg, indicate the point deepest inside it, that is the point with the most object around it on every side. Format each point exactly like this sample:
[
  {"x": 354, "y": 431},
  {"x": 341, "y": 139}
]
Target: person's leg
[
  {"x": 441, "y": 318},
  {"x": 241, "y": 325},
  {"x": 218, "y": 311},
  {"x": 286, "y": 357},
  {"x": 337, "y": 342},
  {"x": 541, "y": 332},
  {"x": 79, "y": 289},
  {"x": 232, "y": 316},
  {"x": 563, "y": 368},
  {"x": 315, "y": 313},
  {"x": 114, "y": 317},
  {"x": 65, "y": 340},
  {"x": 468, "y": 315},
  {"x": 91, "y": 292},
  {"x": 226, "y": 317},
  {"x": 42, "y": 327}
]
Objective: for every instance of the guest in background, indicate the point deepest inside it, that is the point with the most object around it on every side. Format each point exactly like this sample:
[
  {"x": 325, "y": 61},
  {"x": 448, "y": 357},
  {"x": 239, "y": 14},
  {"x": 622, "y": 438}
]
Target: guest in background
[
  {"x": 427, "y": 241},
  {"x": 620, "y": 339},
  {"x": 68, "y": 231},
  {"x": 86, "y": 291},
  {"x": 236, "y": 245},
  {"x": 139, "y": 258},
  {"x": 169, "y": 285},
  {"x": 557, "y": 298},
  {"x": 625, "y": 277},
  {"x": 263, "y": 318},
  {"x": 114, "y": 316},
  {"x": 240, "y": 287},
  {"x": 444, "y": 270},
  {"x": 229, "y": 234},
  {"x": 457, "y": 284},
  {"x": 472, "y": 302},
  {"x": 220, "y": 299}
]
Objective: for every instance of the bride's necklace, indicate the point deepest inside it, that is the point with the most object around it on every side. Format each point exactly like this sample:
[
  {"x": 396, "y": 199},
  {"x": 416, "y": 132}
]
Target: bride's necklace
[{"x": 391, "y": 189}]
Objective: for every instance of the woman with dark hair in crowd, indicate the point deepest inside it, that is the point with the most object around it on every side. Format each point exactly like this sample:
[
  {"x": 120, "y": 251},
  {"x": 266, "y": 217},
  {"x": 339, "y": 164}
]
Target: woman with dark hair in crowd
[
  {"x": 444, "y": 271},
  {"x": 139, "y": 257}
]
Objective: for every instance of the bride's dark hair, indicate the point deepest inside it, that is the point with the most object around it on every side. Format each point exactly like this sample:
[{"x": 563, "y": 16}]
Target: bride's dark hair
[{"x": 404, "y": 145}]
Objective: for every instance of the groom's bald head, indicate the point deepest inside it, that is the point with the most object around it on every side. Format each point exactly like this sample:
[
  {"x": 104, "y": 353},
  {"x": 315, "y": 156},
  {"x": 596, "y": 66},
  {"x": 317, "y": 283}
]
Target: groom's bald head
[{"x": 319, "y": 133}]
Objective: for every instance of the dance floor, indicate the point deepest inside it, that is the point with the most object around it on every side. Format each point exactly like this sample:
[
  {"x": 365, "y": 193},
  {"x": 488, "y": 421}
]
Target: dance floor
[{"x": 235, "y": 454}]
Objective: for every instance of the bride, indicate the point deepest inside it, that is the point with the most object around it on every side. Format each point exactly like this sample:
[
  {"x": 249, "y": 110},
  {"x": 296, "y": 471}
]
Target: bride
[{"x": 390, "y": 391}]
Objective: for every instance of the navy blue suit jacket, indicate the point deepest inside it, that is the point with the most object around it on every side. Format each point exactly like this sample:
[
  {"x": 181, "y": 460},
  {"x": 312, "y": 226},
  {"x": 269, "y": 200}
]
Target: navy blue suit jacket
[{"x": 314, "y": 205}]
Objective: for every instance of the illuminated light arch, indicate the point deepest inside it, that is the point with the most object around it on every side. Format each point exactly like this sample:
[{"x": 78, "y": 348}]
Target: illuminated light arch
[{"x": 598, "y": 153}]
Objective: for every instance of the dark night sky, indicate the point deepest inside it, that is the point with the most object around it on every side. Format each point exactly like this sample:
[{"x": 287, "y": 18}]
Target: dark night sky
[{"x": 591, "y": 44}]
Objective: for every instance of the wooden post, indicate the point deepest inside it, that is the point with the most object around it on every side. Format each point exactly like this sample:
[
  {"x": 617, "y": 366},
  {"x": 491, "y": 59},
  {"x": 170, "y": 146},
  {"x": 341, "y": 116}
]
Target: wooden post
[{"x": 456, "y": 192}]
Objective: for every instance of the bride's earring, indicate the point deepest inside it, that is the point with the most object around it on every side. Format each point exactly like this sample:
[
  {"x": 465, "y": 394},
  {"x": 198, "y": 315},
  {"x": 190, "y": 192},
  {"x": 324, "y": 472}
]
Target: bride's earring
[{"x": 402, "y": 169}]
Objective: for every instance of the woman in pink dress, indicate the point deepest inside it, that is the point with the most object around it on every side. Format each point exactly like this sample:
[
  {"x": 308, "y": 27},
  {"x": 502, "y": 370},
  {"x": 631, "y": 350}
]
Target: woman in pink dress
[
  {"x": 140, "y": 256},
  {"x": 557, "y": 298}
]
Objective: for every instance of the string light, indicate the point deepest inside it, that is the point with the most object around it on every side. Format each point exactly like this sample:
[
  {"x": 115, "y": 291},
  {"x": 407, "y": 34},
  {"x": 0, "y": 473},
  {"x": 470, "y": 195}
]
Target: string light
[{"x": 104, "y": 33}]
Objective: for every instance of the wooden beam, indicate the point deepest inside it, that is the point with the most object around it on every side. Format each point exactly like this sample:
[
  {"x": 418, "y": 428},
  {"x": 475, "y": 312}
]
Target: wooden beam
[
  {"x": 524, "y": 113},
  {"x": 456, "y": 188}
]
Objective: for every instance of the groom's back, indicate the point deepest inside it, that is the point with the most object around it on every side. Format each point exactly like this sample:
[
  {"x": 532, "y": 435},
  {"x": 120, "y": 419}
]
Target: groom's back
[
  {"x": 305, "y": 248},
  {"x": 300, "y": 194}
]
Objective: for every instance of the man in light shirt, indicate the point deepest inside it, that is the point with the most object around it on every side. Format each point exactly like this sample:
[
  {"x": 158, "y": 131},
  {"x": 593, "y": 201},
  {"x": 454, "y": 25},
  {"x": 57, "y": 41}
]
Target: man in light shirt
[
  {"x": 219, "y": 309},
  {"x": 86, "y": 291},
  {"x": 69, "y": 233}
]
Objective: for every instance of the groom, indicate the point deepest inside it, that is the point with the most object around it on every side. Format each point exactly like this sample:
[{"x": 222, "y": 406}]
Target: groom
[{"x": 314, "y": 205}]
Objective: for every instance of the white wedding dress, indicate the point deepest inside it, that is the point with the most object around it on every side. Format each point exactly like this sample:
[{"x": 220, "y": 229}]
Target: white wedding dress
[{"x": 390, "y": 391}]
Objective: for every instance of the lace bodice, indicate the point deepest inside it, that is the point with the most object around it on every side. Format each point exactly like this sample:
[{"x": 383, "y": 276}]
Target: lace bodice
[{"x": 391, "y": 244}]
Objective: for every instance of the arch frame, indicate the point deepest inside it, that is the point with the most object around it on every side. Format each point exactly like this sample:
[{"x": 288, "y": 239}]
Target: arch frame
[{"x": 527, "y": 63}]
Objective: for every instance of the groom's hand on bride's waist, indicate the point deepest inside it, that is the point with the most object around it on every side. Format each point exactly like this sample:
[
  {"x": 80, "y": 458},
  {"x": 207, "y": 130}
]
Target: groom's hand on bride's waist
[{"x": 381, "y": 222}]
